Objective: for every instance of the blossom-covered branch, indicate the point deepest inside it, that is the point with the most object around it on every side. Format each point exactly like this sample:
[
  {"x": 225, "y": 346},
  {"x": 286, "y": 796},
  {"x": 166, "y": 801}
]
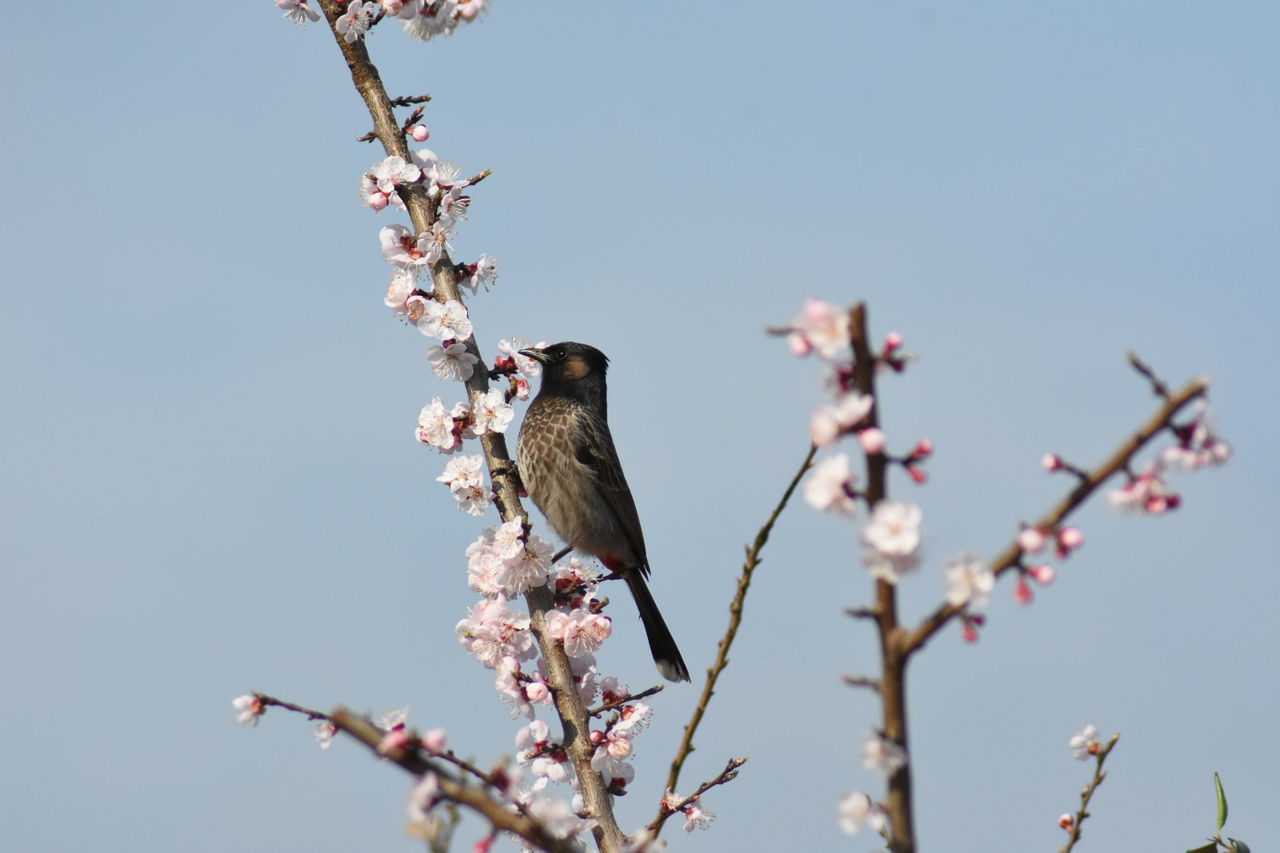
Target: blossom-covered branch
[
  {"x": 422, "y": 756},
  {"x": 891, "y": 538},
  {"x": 1089, "y": 482},
  {"x": 459, "y": 354}
]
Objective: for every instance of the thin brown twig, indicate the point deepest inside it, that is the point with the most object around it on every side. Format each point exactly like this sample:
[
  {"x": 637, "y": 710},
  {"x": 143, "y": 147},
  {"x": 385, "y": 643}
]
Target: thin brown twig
[
  {"x": 1118, "y": 461},
  {"x": 498, "y": 813},
  {"x": 422, "y": 210},
  {"x": 753, "y": 560},
  {"x": 1087, "y": 793},
  {"x": 728, "y": 774},
  {"x": 618, "y": 703}
]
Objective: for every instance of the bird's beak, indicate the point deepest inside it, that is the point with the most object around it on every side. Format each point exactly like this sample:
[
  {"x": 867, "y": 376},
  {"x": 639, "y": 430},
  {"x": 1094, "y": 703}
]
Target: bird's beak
[{"x": 535, "y": 354}]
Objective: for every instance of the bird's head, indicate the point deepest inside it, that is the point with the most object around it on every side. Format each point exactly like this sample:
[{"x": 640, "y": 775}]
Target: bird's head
[{"x": 568, "y": 362}]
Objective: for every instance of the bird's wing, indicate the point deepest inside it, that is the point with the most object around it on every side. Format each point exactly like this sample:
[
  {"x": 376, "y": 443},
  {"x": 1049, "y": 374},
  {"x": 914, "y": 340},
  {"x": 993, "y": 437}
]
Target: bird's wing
[{"x": 594, "y": 449}]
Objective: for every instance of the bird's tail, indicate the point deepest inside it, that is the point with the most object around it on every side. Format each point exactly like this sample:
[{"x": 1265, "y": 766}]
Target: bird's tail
[{"x": 665, "y": 652}]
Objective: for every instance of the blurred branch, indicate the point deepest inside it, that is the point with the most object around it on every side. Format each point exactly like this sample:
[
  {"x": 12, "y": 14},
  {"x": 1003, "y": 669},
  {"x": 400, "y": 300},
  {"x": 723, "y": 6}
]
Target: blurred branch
[
  {"x": 753, "y": 560},
  {"x": 422, "y": 211}
]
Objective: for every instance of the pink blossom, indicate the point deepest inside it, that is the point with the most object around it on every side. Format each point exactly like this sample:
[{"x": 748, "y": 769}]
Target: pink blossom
[
  {"x": 452, "y": 362},
  {"x": 872, "y": 440},
  {"x": 437, "y": 427},
  {"x": 250, "y": 709},
  {"x": 402, "y": 248},
  {"x": 324, "y": 732},
  {"x": 969, "y": 581},
  {"x": 891, "y": 540},
  {"x": 1069, "y": 539},
  {"x": 298, "y": 11},
  {"x": 492, "y": 632},
  {"x": 1042, "y": 575},
  {"x": 857, "y": 810},
  {"x": 1051, "y": 462},
  {"x": 830, "y": 422},
  {"x": 881, "y": 754},
  {"x": 419, "y": 133},
  {"x": 483, "y": 272},
  {"x": 829, "y": 486},
  {"x": 820, "y": 326},
  {"x": 445, "y": 320},
  {"x": 1084, "y": 743},
  {"x": 491, "y": 413},
  {"x": 355, "y": 22},
  {"x": 1031, "y": 540},
  {"x": 434, "y": 740},
  {"x": 581, "y": 631}
]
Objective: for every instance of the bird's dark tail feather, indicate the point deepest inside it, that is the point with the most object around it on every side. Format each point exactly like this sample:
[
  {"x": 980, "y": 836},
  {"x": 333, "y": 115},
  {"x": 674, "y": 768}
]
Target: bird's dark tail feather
[{"x": 665, "y": 653}]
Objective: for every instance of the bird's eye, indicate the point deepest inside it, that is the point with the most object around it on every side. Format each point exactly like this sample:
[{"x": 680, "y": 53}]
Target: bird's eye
[{"x": 559, "y": 354}]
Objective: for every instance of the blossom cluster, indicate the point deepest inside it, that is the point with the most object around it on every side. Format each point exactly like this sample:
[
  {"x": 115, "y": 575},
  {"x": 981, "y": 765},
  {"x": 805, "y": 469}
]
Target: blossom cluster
[
  {"x": 1196, "y": 446},
  {"x": 421, "y": 19}
]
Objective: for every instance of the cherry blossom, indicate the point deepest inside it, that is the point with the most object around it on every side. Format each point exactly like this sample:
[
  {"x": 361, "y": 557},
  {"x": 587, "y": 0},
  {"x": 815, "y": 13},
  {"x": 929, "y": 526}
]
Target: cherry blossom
[
  {"x": 969, "y": 581},
  {"x": 483, "y": 271},
  {"x": 492, "y": 632},
  {"x": 491, "y": 412},
  {"x": 452, "y": 362},
  {"x": 463, "y": 476},
  {"x": 298, "y": 11},
  {"x": 379, "y": 187},
  {"x": 325, "y": 732},
  {"x": 881, "y": 754},
  {"x": 819, "y": 326},
  {"x": 445, "y": 320},
  {"x": 438, "y": 427},
  {"x": 891, "y": 540},
  {"x": 355, "y": 22},
  {"x": 250, "y": 709},
  {"x": 1148, "y": 492},
  {"x": 581, "y": 631},
  {"x": 402, "y": 248},
  {"x": 829, "y": 486},
  {"x": 830, "y": 422},
  {"x": 857, "y": 810},
  {"x": 1084, "y": 743}
]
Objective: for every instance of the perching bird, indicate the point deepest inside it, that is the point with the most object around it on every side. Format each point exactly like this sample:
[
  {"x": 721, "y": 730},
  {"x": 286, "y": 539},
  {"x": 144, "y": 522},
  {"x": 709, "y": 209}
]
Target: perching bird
[{"x": 571, "y": 471}]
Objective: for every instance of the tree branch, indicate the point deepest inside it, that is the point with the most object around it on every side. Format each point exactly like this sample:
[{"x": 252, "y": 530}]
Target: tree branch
[
  {"x": 1087, "y": 794},
  {"x": 1089, "y": 483},
  {"x": 753, "y": 559},
  {"x": 422, "y": 211}
]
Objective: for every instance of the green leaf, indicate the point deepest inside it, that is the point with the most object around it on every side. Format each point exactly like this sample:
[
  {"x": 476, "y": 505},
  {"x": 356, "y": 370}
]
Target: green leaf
[
  {"x": 1211, "y": 847},
  {"x": 1222, "y": 802},
  {"x": 1241, "y": 847}
]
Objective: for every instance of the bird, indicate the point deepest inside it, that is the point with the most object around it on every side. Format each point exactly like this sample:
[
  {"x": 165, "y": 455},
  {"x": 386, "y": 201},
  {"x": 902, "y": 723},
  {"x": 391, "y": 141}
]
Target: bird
[{"x": 570, "y": 469}]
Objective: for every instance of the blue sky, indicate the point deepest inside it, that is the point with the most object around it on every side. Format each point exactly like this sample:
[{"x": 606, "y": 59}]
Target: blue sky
[{"x": 211, "y": 483}]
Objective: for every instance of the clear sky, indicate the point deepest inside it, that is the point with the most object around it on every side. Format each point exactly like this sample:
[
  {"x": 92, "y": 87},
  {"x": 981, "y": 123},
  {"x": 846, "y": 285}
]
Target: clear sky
[{"x": 210, "y": 482}]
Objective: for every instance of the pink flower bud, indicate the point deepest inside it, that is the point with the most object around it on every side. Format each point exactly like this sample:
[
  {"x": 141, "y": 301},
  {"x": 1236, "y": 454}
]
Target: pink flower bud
[
  {"x": 1042, "y": 575},
  {"x": 1022, "y": 592},
  {"x": 1067, "y": 822},
  {"x": 378, "y": 200},
  {"x": 1051, "y": 462},
  {"x": 800, "y": 345},
  {"x": 1031, "y": 540},
  {"x": 537, "y": 692},
  {"x": 434, "y": 740},
  {"x": 872, "y": 440},
  {"x": 892, "y": 341},
  {"x": 1070, "y": 538},
  {"x": 597, "y": 738},
  {"x": 923, "y": 448},
  {"x": 419, "y": 133},
  {"x": 970, "y": 633},
  {"x": 919, "y": 475}
]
